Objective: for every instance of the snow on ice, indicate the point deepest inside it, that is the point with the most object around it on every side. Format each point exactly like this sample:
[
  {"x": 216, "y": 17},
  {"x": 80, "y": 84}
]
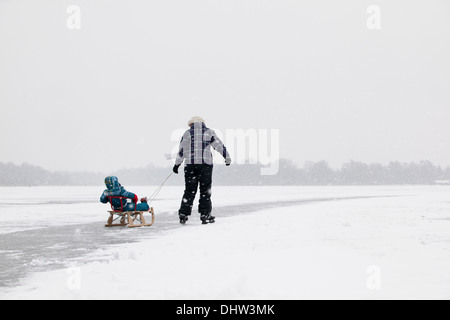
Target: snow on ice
[{"x": 304, "y": 243}]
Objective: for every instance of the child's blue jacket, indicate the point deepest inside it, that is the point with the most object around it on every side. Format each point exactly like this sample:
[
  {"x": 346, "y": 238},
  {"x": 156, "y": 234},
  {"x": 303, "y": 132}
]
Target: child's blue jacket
[{"x": 118, "y": 204}]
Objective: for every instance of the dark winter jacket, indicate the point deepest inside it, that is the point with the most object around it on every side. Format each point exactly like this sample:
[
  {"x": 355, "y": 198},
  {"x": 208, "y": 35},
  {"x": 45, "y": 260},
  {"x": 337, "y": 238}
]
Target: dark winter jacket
[{"x": 195, "y": 146}]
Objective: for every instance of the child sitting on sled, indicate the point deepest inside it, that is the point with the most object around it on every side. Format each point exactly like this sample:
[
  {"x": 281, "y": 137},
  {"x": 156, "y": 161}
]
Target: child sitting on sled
[{"x": 117, "y": 196}]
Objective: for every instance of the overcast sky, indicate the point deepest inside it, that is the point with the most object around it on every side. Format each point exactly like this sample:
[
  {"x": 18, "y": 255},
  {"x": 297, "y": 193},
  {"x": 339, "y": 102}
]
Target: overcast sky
[{"x": 109, "y": 95}]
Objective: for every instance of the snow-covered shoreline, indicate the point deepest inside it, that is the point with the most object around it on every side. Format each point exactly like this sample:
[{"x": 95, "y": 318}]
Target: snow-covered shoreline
[{"x": 392, "y": 247}]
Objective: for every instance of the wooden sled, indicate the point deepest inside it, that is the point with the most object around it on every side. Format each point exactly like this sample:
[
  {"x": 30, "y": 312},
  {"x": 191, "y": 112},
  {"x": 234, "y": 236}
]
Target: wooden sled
[{"x": 131, "y": 219}]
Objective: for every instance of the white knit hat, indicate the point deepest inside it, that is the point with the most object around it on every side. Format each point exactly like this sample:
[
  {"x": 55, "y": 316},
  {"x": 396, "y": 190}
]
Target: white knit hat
[{"x": 194, "y": 120}]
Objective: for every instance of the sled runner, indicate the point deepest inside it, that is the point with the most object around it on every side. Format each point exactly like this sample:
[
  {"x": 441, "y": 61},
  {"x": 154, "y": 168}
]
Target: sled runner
[{"x": 130, "y": 219}]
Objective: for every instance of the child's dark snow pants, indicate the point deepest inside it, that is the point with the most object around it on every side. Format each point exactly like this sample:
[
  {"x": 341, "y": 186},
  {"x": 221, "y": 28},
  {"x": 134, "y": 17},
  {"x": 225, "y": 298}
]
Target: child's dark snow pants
[{"x": 197, "y": 175}]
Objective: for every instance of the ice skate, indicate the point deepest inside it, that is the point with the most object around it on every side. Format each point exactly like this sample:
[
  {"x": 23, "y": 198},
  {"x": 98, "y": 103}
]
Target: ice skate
[
  {"x": 207, "y": 219},
  {"x": 183, "y": 218}
]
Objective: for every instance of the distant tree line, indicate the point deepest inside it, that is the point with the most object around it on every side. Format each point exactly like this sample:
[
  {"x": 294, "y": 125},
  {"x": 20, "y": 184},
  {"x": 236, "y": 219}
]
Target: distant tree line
[
  {"x": 30, "y": 175},
  {"x": 313, "y": 173}
]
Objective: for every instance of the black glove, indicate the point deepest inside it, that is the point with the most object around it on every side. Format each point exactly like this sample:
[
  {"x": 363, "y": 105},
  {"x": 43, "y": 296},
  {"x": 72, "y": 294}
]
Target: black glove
[{"x": 175, "y": 168}]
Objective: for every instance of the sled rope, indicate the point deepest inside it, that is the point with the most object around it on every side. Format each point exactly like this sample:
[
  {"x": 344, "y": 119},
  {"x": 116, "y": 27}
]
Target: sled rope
[{"x": 157, "y": 191}]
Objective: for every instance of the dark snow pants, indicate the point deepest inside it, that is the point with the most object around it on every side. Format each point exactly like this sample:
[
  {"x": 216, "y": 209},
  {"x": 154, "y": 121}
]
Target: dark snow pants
[{"x": 197, "y": 175}]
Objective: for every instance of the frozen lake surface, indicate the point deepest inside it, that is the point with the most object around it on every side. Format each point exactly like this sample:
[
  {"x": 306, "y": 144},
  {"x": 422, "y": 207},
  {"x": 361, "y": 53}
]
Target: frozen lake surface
[{"x": 46, "y": 231}]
